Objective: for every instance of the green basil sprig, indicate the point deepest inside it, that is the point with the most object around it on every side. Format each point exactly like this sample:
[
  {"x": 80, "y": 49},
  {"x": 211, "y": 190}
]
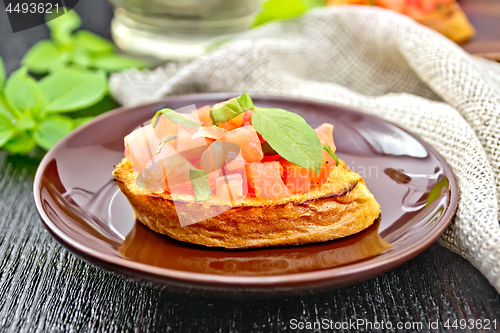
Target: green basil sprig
[
  {"x": 200, "y": 184},
  {"x": 164, "y": 141},
  {"x": 231, "y": 109},
  {"x": 290, "y": 136},
  {"x": 176, "y": 118},
  {"x": 82, "y": 49},
  {"x": 30, "y": 111},
  {"x": 332, "y": 154}
]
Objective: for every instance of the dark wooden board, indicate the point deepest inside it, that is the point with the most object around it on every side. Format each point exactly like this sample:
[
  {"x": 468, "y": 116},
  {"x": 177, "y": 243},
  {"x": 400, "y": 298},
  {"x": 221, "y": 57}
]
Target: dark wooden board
[
  {"x": 45, "y": 288},
  {"x": 485, "y": 17}
]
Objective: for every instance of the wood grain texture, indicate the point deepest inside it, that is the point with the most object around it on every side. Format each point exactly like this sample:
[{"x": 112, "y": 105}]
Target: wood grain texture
[
  {"x": 44, "y": 288},
  {"x": 485, "y": 17}
]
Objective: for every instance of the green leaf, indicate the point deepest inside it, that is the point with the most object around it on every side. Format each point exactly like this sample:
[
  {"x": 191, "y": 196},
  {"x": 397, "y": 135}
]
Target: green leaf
[
  {"x": 332, "y": 154},
  {"x": 51, "y": 130},
  {"x": 23, "y": 93},
  {"x": 201, "y": 187},
  {"x": 25, "y": 122},
  {"x": 69, "y": 21},
  {"x": 117, "y": 62},
  {"x": 5, "y": 124},
  {"x": 93, "y": 43},
  {"x": 231, "y": 109},
  {"x": 7, "y": 130},
  {"x": 290, "y": 136},
  {"x": 4, "y": 110},
  {"x": 44, "y": 57},
  {"x": 81, "y": 57},
  {"x": 70, "y": 89},
  {"x": 21, "y": 143},
  {"x": 62, "y": 26},
  {"x": 105, "y": 104},
  {"x": 164, "y": 141},
  {"x": 279, "y": 9},
  {"x": 176, "y": 118},
  {"x": 5, "y": 136},
  {"x": 2, "y": 75}
]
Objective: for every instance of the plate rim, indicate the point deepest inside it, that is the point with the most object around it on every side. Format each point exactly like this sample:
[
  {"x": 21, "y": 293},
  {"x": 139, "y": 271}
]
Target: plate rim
[{"x": 354, "y": 271}]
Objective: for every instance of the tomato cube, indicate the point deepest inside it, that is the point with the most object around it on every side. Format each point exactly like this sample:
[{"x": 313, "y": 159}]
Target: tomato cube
[
  {"x": 264, "y": 180},
  {"x": 248, "y": 141}
]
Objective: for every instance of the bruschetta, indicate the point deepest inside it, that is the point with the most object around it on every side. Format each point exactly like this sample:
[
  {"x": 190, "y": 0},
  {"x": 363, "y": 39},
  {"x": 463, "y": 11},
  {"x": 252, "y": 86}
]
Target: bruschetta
[{"x": 238, "y": 176}]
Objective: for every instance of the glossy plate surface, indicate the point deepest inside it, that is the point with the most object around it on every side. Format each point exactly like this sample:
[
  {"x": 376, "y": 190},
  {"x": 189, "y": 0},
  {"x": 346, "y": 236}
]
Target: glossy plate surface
[{"x": 85, "y": 211}]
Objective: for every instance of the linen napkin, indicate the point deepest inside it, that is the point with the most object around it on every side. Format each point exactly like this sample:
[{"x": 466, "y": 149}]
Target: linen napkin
[{"x": 384, "y": 64}]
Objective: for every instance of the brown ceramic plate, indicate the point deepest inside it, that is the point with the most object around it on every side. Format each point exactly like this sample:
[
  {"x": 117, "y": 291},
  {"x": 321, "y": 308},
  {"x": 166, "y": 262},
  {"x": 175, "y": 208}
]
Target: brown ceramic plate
[{"x": 84, "y": 210}]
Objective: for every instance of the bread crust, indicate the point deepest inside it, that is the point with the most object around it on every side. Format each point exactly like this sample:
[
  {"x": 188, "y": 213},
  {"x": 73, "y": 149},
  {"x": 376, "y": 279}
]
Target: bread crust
[{"x": 341, "y": 207}]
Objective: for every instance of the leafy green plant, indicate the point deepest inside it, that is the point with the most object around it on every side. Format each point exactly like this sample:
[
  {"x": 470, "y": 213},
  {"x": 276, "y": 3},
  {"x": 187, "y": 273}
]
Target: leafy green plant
[
  {"x": 283, "y": 9},
  {"x": 35, "y": 112},
  {"x": 77, "y": 49}
]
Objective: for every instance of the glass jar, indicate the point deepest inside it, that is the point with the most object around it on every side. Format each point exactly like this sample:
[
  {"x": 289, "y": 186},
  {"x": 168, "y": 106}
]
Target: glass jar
[{"x": 179, "y": 29}]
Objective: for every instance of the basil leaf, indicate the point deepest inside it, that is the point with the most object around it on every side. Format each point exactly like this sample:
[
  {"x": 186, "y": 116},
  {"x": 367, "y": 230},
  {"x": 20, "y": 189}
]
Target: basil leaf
[
  {"x": 51, "y": 130},
  {"x": 81, "y": 57},
  {"x": 118, "y": 62},
  {"x": 70, "y": 89},
  {"x": 279, "y": 9},
  {"x": 175, "y": 117},
  {"x": 23, "y": 93},
  {"x": 68, "y": 22},
  {"x": 2, "y": 75},
  {"x": 5, "y": 136},
  {"x": 4, "y": 110},
  {"x": 164, "y": 141},
  {"x": 201, "y": 187},
  {"x": 268, "y": 150},
  {"x": 93, "y": 43},
  {"x": 25, "y": 122},
  {"x": 332, "y": 154},
  {"x": 21, "y": 143},
  {"x": 290, "y": 136},
  {"x": 44, "y": 57},
  {"x": 6, "y": 130},
  {"x": 231, "y": 109}
]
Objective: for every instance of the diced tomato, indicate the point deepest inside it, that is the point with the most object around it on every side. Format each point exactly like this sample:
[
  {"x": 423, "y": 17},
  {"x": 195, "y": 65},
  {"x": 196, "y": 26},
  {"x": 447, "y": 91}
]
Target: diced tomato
[
  {"x": 208, "y": 132},
  {"x": 166, "y": 169},
  {"x": 230, "y": 187},
  {"x": 140, "y": 146},
  {"x": 189, "y": 147},
  {"x": 183, "y": 188},
  {"x": 325, "y": 135},
  {"x": 164, "y": 127},
  {"x": 248, "y": 141},
  {"x": 233, "y": 123},
  {"x": 234, "y": 160},
  {"x": 298, "y": 179},
  {"x": 264, "y": 180},
  {"x": 204, "y": 115},
  {"x": 317, "y": 180},
  {"x": 247, "y": 118},
  {"x": 271, "y": 158}
]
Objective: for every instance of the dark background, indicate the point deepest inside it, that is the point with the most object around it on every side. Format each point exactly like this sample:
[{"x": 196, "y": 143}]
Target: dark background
[{"x": 43, "y": 287}]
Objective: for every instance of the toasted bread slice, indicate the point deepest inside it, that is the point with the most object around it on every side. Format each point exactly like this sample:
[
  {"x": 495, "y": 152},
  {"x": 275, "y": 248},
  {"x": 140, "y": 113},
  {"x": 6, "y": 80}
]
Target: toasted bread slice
[
  {"x": 450, "y": 21},
  {"x": 341, "y": 207},
  {"x": 447, "y": 19}
]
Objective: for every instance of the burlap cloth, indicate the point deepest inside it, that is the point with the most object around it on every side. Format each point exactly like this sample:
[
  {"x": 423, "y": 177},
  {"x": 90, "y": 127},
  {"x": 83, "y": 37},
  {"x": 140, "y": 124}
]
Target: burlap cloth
[{"x": 384, "y": 64}]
